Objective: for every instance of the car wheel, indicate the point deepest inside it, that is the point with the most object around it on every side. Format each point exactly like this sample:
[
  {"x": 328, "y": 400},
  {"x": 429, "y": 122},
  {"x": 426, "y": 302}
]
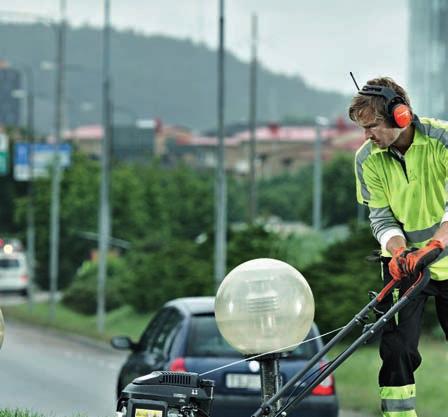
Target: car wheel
[{"x": 24, "y": 292}]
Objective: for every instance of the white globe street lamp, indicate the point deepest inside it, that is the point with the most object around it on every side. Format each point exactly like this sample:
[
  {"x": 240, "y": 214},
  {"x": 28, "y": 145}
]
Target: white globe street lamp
[{"x": 265, "y": 306}]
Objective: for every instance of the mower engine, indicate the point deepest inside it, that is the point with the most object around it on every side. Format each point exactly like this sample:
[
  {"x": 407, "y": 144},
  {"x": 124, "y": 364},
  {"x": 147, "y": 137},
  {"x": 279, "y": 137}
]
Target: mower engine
[{"x": 167, "y": 394}]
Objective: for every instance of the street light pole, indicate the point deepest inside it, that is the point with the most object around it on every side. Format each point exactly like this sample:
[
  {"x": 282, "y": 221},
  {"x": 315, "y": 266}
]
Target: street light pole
[
  {"x": 31, "y": 229},
  {"x": 317, "y": 189},
  {"x": 104, "y": 212},
  {"x": 56, "y": 177},
  {"x": 220, "y": 185},
  {"x": 252, "y": 124}
]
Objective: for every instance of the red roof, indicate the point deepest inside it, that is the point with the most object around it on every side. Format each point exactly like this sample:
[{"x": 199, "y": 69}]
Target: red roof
[{"x": 85, "y": 133}]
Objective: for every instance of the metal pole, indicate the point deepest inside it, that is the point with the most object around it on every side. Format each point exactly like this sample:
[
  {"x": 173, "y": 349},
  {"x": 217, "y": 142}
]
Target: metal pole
[
  {"x": 31, "y": 230},
  {"x": 270, "y": 381},
  {"x": 220, "y": 186},
  {"x": 104, "y": 212},
  {"x": 317, "y": 194},
  {"x": 252, "y": 123},
  {"x": 56, "y": 177}
]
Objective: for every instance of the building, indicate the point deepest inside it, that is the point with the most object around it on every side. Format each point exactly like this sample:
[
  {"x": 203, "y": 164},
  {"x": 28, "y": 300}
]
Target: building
[
  {"x": 428, "y": 57},
  {"x": 10, "y": 81},
  {"x": 279, "y": 149},
  {"x": 128, "y": 143}
]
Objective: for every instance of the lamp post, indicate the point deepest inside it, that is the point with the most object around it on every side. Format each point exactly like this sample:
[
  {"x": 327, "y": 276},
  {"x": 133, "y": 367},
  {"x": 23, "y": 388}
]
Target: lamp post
[
  {"x": 253, "y": 123},
  {"x": 317, "y": 189},
  {"x": 265, "y": 307},
  {"x": 56, "y": 177},
  {"x": 220, "y": 178},
  {"x": 104, "y": 212}
]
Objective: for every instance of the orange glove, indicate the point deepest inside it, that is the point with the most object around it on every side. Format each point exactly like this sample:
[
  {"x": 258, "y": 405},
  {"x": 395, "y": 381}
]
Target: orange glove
[
  {"x": 397, "y": 262},
  {"x": 418, "y": 260}
]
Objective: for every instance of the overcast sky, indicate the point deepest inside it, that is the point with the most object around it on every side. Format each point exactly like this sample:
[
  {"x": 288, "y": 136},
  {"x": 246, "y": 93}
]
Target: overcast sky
[{"x": 322, "y": 40}]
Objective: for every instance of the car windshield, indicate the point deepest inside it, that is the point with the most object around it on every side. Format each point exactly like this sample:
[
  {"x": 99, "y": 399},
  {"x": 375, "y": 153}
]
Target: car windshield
[
  {"x": 206, "y": 340},
  {"x": 7, "y": 263}
]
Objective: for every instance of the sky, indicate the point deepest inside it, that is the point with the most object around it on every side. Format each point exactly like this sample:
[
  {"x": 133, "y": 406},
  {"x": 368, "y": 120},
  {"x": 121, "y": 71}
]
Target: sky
[{"x": 320, "y": 40}]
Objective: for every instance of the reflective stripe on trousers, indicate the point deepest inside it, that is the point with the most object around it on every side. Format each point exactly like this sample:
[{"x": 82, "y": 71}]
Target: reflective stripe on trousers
[{"x": 398, "y": 401}]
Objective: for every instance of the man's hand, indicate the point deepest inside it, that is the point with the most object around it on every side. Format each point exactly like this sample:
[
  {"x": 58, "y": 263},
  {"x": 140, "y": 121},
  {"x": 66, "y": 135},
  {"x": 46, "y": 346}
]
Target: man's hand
[
  {"x": 396, "y": 264},
  {"x": 419, "y": 259}
]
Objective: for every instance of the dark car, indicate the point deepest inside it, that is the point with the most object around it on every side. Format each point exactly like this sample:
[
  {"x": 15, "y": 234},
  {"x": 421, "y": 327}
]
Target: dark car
[{"x": 183, "y": 336}]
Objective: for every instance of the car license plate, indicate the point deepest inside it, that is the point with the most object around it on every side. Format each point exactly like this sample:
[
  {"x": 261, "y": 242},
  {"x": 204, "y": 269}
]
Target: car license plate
[{"x": 247, "y": 381}]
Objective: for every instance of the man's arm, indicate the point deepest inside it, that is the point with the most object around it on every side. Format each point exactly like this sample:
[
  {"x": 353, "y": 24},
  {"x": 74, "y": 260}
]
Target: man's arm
[
  {"x": 396, "y": 242},
  {"x": 442, "y": 234}
]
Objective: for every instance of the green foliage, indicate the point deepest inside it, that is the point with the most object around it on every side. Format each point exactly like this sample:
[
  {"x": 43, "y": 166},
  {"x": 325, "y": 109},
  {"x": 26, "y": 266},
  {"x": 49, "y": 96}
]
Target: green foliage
[
  {"x": 250, "y": 243},
  {"x": 301, "y": 250},
  {"x": 81, "y": 295},
  {"x": 7, "y": 412},
  {"x": 173, "y": 269},
  {"x": 342, "y": 279},
  {"x": 78, "y": 213},
  {"x": 290, "y": 197},
  {"x": 167, "y": 217}
]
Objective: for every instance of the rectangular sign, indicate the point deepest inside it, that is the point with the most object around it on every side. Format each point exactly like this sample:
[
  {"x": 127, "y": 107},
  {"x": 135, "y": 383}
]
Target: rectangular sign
[{"x": 40, "y": 156}]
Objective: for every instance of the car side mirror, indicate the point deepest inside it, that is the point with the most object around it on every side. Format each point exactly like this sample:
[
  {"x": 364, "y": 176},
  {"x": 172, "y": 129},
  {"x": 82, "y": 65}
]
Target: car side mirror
[{"x": 122, "y": 343}]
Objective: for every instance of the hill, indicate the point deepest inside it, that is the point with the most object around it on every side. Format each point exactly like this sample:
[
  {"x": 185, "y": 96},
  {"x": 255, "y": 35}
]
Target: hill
[{"x": 155, "y": 76}]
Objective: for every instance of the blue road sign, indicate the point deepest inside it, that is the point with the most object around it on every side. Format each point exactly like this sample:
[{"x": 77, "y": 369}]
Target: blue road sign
[{"x": 42, "y": 159}]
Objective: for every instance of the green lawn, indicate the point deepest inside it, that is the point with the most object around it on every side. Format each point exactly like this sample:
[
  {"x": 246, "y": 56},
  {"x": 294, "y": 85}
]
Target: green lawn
[
  {"x": 356, "y": 379},
  {"x": 123, "y": 321}
]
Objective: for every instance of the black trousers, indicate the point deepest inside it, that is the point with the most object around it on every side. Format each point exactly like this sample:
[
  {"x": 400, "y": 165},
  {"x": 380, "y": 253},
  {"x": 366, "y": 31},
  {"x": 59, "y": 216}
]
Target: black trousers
[{"x": 399, "y": 340}]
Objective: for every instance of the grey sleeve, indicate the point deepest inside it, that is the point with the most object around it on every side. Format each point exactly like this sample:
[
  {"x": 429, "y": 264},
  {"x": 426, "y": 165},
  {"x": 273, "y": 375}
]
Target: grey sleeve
[{"x": 384, "y": 225}]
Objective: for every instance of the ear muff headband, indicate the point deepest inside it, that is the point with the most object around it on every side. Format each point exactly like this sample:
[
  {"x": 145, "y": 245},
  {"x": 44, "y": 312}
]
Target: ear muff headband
[{"x": 397, "y": 110}]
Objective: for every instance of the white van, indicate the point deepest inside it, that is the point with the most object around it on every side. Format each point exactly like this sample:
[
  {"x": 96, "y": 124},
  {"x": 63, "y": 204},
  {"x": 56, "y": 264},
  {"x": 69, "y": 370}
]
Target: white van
[{"x": 14, "y": 272}]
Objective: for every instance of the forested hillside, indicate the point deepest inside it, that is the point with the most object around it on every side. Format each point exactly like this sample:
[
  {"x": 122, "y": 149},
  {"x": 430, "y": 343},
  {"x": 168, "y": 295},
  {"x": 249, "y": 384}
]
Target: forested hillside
[{"x": 155, "y": 76}]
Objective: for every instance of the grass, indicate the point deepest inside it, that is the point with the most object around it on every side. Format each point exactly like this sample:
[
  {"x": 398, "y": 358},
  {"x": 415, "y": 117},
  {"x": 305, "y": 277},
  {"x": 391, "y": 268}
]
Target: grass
[
  {"x": 18, "y": 413},
  {"x": 356, "y": 379},
  {"x": 123, "y": 321},
  {"x": 7, "y": 412}
]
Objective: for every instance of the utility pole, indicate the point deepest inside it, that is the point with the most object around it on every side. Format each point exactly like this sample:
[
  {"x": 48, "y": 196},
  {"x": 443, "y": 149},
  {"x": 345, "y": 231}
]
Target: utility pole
[
  {"x": 56, "y": 177},
  {"x": 31, "y": 230},
  {"x": 253, "y": 122},
  {"x": 220, "y": 185},
  {"x": 104, "y": 212},
  {"x": 317, "y": 189}
]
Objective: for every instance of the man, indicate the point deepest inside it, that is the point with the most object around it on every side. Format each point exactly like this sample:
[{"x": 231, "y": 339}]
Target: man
[{"x": 401, "y": 175}]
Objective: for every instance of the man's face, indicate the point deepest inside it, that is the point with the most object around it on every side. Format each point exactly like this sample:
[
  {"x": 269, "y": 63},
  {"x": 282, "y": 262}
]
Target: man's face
[{"x": 378, "y": 131}]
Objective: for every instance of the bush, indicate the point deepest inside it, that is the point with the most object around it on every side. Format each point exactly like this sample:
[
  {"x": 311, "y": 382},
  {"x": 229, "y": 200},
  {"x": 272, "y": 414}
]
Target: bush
[
  {"x": 81, "y": 295},
  {"x": 175, "y": 269},
  {"x": 342, "y": 280}
]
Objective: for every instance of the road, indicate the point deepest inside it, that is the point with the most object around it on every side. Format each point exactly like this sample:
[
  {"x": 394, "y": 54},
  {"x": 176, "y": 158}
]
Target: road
[
  {"x": 50, "y": 374},
  {"x": 53, "y": 374}
]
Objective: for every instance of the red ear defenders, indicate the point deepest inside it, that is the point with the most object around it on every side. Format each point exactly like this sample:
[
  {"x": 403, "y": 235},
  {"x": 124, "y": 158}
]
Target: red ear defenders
[{"x": 397, "y": 110}]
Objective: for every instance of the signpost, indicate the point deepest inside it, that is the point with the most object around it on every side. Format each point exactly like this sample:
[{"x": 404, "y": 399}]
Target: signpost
[
  {"x": 4, "y": 147},
  {"x": 42, "y": 154}
]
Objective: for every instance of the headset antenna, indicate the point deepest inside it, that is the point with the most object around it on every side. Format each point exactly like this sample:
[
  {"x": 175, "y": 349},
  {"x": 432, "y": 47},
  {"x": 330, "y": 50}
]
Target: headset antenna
[{"x": 353, "y": 78}]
